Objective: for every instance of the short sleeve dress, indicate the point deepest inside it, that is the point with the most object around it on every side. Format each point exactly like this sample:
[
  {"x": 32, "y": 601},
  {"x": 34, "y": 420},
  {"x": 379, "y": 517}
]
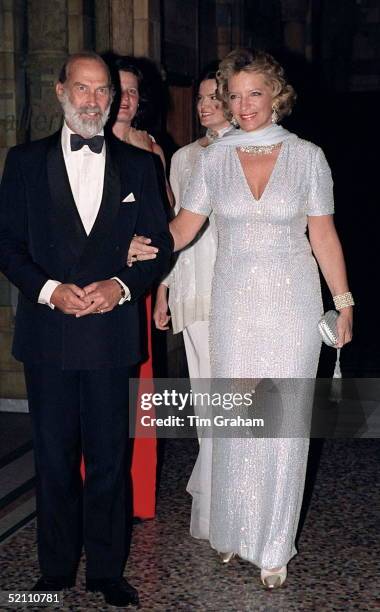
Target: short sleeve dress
[{"x": 265, "y": 306}]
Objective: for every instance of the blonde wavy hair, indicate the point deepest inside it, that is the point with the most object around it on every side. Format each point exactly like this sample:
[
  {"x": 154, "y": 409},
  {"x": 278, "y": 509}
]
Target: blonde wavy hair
[{"x": 263, "y": 63}]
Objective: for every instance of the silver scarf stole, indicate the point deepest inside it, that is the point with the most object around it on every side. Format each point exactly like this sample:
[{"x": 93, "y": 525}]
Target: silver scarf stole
[{"x": 271, "y": 135}]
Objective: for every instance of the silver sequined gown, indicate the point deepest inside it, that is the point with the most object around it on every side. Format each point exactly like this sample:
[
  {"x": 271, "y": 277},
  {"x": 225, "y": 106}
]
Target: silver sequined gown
[{"x": 265, "y": 306}]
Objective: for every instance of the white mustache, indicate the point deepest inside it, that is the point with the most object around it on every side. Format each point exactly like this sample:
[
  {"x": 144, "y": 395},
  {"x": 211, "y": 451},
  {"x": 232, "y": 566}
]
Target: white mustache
[{"x": 89, "y": 109}]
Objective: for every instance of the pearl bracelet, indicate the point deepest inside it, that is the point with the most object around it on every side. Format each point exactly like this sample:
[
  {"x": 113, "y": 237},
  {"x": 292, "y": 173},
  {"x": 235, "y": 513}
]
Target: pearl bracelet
[{"x": 344, "y": 300}]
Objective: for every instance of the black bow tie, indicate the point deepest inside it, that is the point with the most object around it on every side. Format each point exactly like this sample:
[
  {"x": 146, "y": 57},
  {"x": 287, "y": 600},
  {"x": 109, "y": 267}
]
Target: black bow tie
[{"x": 95, "y": 143}]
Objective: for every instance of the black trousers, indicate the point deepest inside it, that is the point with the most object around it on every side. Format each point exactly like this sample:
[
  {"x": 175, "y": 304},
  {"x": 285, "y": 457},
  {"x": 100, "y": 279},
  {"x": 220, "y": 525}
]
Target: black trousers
[{"x": 73, "y": 413}]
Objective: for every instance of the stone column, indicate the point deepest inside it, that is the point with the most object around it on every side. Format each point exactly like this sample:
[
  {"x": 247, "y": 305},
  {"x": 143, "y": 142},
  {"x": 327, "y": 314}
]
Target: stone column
[
  {"x": 80, "y": 25},
  {"x": 129, "y": 27},
  {"x": 12, "y": 75},
  {"x": 48, "y": 49},
  {"x": 114, "y": 26},
  {"x": 147, "y": 29},
  {"x": 75, "y": 28},
  {"x": 122, "y": 26},
  {"x": 12, "y": 131},
  {"x": 102, "y": 25}
]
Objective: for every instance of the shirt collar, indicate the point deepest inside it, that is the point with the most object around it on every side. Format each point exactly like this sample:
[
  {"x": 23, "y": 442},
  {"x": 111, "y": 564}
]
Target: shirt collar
[{"x": 65, "y": 139}]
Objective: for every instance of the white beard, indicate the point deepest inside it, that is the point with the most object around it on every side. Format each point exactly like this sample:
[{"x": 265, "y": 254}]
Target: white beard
[{"x": 85, "y": 127}]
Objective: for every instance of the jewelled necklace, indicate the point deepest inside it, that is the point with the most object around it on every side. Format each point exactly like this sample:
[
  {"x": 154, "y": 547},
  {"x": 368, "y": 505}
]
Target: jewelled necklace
[{"x": 260, "y": 149}]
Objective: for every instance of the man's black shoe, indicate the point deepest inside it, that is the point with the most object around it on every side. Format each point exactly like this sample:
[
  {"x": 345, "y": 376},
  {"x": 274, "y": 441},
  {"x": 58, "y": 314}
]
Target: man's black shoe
[
  {"x": 116, "y": 592},
  {"x": 53, "y": 583}
]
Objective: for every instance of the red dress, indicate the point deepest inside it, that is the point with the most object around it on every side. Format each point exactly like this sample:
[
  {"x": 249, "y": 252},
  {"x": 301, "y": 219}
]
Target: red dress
[{"x": 144, "y": 461}]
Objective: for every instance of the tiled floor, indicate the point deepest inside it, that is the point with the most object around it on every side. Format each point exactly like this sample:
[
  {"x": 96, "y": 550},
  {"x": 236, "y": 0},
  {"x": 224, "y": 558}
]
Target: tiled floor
[
  {"x": 17, "y": 499},
  {"x": 337, "y": 567}
]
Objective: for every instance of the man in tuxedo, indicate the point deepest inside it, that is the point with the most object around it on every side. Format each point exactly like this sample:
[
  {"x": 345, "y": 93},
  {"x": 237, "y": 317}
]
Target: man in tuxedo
[{"x": 69, "y": 207}]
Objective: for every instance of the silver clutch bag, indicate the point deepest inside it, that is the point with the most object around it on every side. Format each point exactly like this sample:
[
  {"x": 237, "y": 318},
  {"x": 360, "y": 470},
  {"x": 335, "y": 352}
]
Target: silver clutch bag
[{"x": 327, "y": 327}]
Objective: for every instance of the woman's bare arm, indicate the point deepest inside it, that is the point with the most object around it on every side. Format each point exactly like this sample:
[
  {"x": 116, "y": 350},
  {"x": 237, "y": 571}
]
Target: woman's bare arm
[
  {"x": 328, "y": 252},
  {"x": 185, "y": 227}
]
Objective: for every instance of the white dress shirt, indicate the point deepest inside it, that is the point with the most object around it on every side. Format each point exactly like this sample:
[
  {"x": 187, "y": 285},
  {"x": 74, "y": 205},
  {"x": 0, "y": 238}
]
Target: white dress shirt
[{"x": 85, "y": 170}]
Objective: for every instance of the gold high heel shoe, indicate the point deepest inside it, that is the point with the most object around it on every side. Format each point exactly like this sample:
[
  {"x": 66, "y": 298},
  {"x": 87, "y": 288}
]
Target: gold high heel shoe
[
  {"x": 226, "y": 557},
  {"x": 273, "y": 579}
]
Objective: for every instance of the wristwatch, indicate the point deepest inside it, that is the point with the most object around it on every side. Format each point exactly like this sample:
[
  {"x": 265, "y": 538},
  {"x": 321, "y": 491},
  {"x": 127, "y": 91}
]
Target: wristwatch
[{"x": 123, "y": 295}]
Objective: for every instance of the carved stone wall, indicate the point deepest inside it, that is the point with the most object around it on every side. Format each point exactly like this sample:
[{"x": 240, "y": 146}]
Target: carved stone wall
[
  {"x": 12, "y": 74},
  {"x": 80, "y": 25},
  {"x": 147, "y": 29},
  {"x": 48, "y": 48},
  {"x": 129, "y": 27},
  {"x": 12, "y": 130},
  {"x": 114, "y": 26}
]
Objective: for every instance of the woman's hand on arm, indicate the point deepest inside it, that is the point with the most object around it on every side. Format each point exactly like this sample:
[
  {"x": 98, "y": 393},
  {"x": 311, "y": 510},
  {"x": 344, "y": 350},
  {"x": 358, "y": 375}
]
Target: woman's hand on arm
[
  {"x": 185, "y": 227},
  {"x": 140, "y": 249},
  {"x": 139, "y": 139},
  {"x": 328, "y": 252},
  {"x": 160, "y": 314}
]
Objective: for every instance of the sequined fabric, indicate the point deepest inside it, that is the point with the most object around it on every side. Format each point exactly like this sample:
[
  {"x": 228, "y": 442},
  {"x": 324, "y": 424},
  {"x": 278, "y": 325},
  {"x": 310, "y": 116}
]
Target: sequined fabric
[{"x": 265, "y": 307}]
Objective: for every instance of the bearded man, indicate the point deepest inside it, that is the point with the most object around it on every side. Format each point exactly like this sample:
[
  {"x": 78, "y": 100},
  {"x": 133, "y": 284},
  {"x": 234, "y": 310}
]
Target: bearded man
[{"x": 69, "y": 207}]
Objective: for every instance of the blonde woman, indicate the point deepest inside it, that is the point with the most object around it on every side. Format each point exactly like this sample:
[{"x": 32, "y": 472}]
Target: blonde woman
[{"x": 266, "y": 187}]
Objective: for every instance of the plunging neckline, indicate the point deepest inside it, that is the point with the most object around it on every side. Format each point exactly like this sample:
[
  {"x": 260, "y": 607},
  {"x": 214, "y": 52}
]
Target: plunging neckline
[{"x": 274, "y": 169}]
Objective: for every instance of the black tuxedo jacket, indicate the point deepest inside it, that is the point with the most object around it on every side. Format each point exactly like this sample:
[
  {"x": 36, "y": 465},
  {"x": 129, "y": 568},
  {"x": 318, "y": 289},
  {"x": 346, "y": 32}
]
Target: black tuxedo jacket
[{"x": 42, "y": 237}]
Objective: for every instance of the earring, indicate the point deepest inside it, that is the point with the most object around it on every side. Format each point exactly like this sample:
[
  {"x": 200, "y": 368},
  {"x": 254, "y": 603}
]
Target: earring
[
  {"x": 234, "y": 122},
  {"x": 274, "y": 115}
]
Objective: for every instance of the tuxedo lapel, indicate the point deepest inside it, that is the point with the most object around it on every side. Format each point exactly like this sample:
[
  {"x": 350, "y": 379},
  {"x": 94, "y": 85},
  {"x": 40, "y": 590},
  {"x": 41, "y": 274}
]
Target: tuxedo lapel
[
  {"x": 68, "y": 229},
  {"x": 109, "y": 208},
  {"x": 65, "y": 220}
]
